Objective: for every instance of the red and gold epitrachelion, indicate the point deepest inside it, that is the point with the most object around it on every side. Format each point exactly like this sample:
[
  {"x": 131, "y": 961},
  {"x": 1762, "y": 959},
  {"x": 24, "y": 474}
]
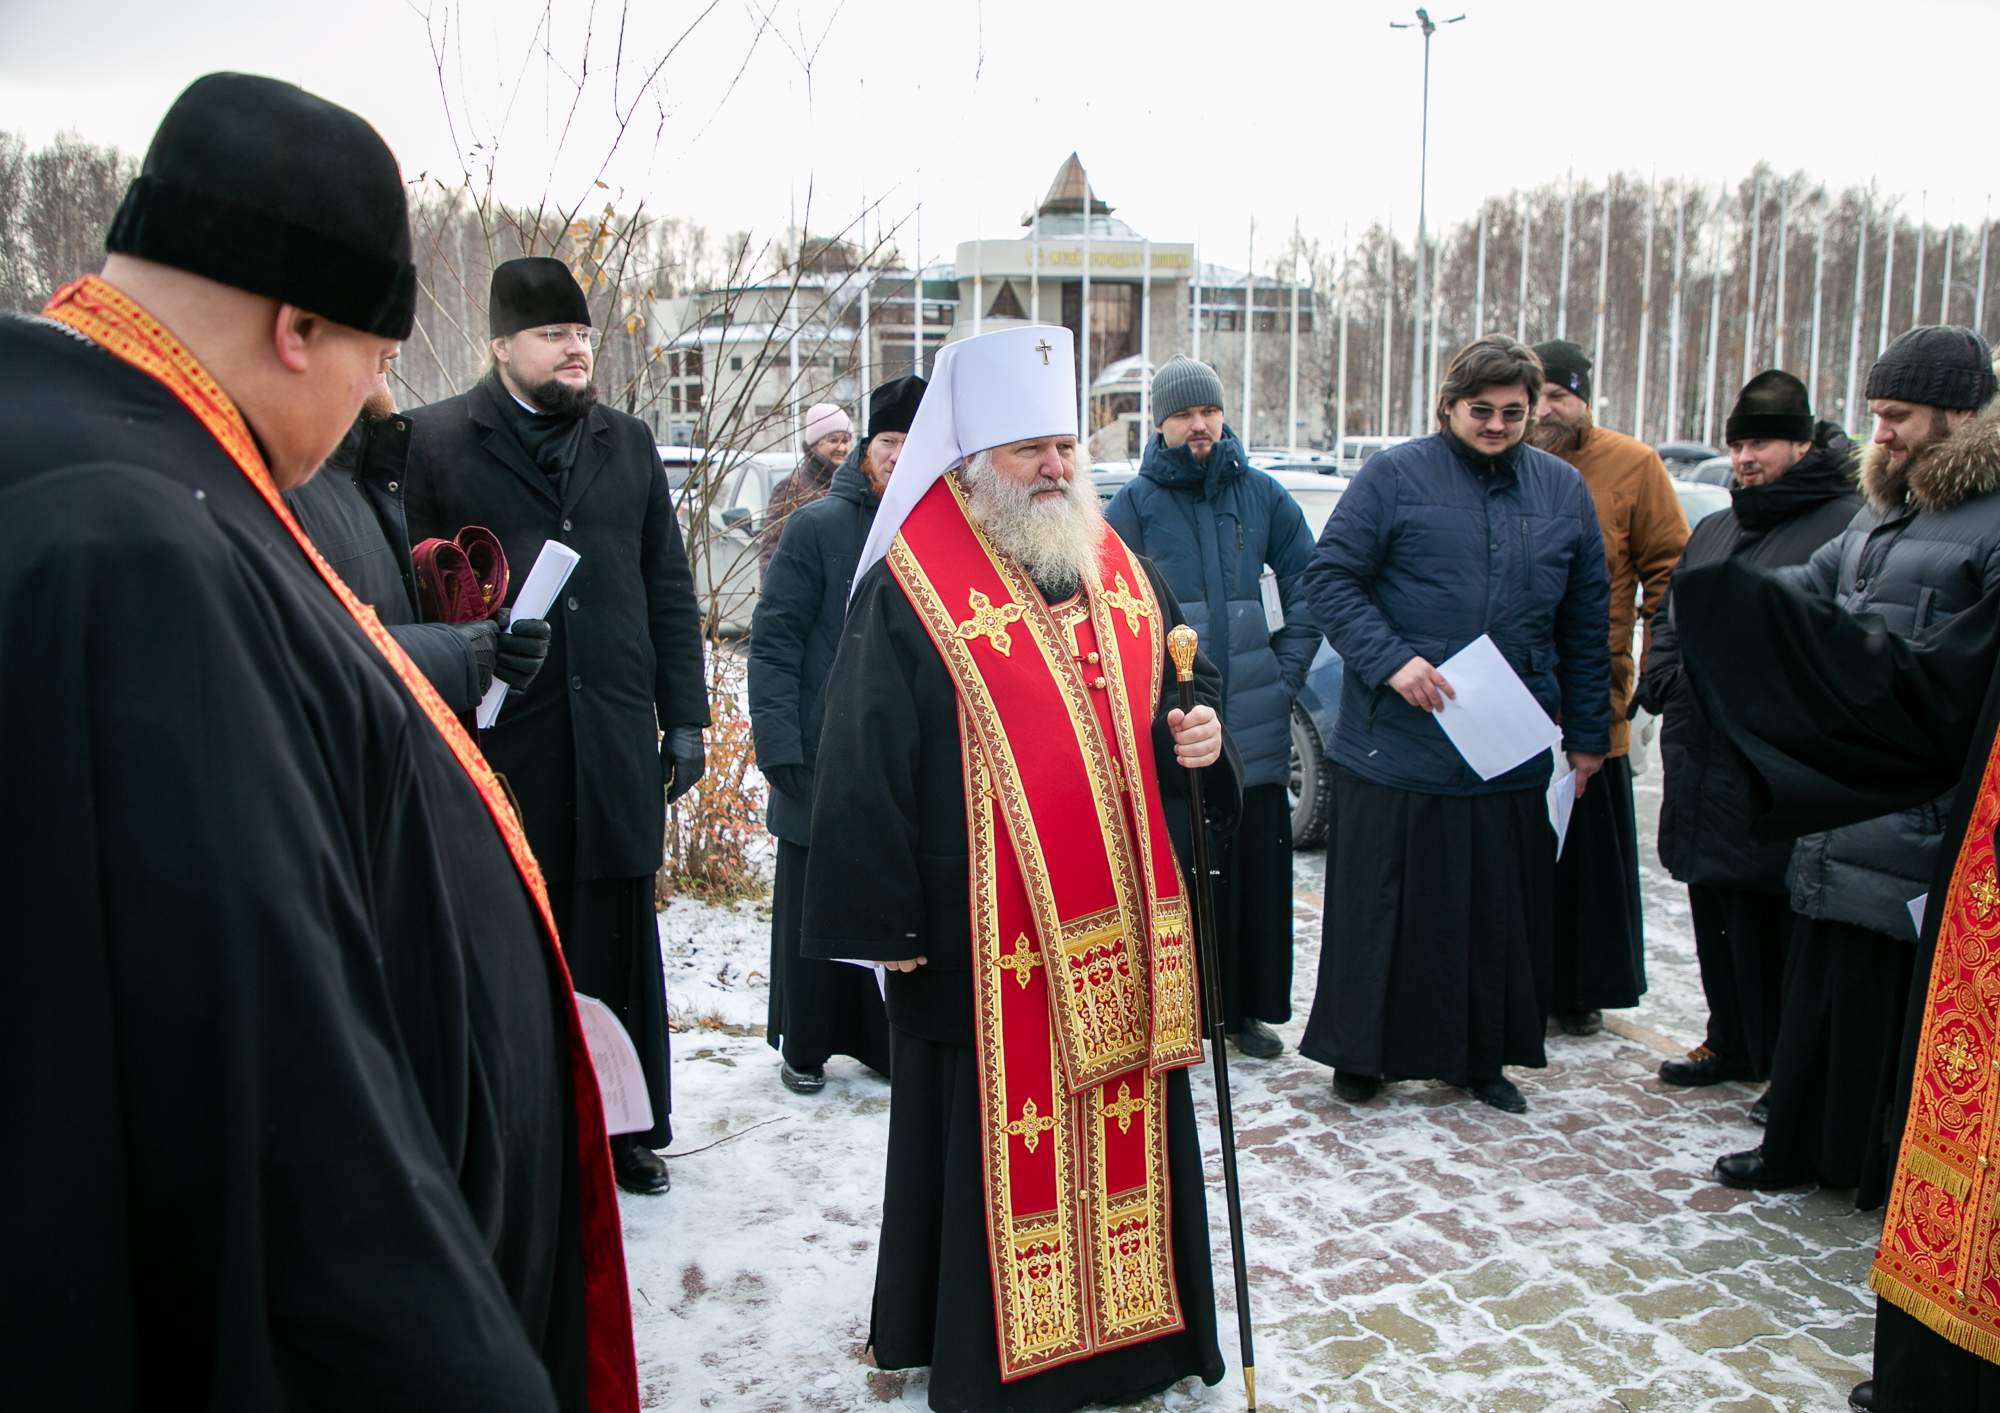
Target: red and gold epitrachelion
[
  {"x": 1082, "y": 950},
  {"x": 1940, "y": 1252},
  {"x": 122, "y": 328}
]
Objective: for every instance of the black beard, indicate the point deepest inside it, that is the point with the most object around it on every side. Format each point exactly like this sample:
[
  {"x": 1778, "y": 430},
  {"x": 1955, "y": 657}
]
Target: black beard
[{"x": 559, "y": 399}]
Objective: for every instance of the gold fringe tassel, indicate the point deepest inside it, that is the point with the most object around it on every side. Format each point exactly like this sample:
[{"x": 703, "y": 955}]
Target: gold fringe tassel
[
  {"x": 1934, "y": 1170},
  {"x": 1944, "y": 1322}
]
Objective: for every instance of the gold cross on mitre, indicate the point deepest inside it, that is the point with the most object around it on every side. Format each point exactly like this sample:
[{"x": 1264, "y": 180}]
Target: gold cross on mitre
[
  {"x": 1043, "y": 349},
  {"x": 1020, "y": 961},
  {"x": 1030, "y": 1127},
  {"x": 1123, "y": 1109},
  {"x": 990, "y": 621},
  {"x": 1126, "y": 602}
]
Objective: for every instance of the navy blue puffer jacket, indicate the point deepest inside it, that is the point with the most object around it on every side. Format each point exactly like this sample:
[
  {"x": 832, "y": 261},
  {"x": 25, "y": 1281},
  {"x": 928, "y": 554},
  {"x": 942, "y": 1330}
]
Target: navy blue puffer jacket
[
  {"x": 1432, "y": 546},
  {"x": 1210, "y": 528}
]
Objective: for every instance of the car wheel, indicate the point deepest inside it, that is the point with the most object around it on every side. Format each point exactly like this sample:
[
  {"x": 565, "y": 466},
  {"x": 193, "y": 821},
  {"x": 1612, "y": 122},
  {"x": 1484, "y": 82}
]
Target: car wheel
[{"x": 1308, "y": 785}]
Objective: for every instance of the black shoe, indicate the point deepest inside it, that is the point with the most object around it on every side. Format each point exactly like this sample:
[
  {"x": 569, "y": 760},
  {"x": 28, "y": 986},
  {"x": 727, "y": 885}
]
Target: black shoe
[
  {"x": 1760, "y": 1112},
  {"x": 806, "y": 1081},
  {"x": 1580, "y": 1023},
  {"x": 1355, "y": 1088},
  {"x": 1703, "y": 1066},
  {"x": 637, "y": 1167},
  {"x": 1748, "y": 1172},
  {"x": 1500, "y": 1093},
  {"x": 1861, "y": 1398},
  {"x": 1257, "y": 1040}
]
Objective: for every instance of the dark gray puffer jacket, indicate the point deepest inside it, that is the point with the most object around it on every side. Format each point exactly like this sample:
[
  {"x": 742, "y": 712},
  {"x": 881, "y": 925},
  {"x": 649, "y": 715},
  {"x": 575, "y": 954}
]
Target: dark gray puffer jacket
[{"x": 1925, "y": 547}]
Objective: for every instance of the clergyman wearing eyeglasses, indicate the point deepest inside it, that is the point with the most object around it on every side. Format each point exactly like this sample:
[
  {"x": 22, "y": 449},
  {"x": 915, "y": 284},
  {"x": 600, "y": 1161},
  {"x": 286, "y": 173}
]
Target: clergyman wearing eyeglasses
[
  {"x": 1437, "y": 957},
  {"x": 532, "y": 455}
]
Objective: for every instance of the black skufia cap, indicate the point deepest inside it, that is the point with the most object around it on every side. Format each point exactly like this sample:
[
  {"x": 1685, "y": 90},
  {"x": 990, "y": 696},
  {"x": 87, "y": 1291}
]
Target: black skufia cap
[
  {"x": 533, "y": 291},
  {"x": 261, "y": 186},
  {"x": 893, "y": 406},
  {"x": 1773, "y": 404}
]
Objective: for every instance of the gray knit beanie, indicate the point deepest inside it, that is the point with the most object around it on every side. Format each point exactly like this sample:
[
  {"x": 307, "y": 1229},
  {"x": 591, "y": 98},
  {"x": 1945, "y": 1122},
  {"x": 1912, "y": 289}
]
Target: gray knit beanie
[
  {"x": 1181, "y": 384},
  {"x": 1938, "y": 365}
]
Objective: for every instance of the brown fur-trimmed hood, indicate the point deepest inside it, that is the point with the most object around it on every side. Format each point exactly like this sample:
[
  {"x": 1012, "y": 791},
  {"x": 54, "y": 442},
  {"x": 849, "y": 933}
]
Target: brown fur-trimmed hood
[{"x": 1939, "y": 476}]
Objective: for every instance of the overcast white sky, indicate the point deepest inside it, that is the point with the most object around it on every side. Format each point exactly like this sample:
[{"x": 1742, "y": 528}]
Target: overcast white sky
[{"x": 1191, "y": 118}]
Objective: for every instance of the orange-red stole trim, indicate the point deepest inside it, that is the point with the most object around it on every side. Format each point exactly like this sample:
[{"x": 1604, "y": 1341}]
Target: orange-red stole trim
[
  {"x": 1084, "y": 973},
  {"x": 1940, "y": 1252},
  {"x": 120, "y": 326}
]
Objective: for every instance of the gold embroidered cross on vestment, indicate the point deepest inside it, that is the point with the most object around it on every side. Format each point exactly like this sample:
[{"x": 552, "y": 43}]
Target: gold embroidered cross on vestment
[
  {"x": 1043, "y": 349},
  {"x": 1124, "y": 601},
  {"x": 1030, "y": 1127},
  {"x": 1957, "y": 1058},
  {"x": 1985, "y": 894},
  {"x": 1123, "y": 1109},
  {"x": 990, "y": 621},
  {"x": 1020, "y": 961}
]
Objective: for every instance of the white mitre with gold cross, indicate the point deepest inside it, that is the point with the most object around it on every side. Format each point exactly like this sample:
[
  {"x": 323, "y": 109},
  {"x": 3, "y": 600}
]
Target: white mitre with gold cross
[{"x": 984, "y": 392}]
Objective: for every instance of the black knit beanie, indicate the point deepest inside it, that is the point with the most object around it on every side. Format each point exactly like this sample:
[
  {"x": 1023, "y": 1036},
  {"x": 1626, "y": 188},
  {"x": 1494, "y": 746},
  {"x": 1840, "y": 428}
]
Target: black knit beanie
[
  {"x": 1772, "y": 405},
  {"x": 1566, "y": 365},
  {"x": 1938, "y": 365}
]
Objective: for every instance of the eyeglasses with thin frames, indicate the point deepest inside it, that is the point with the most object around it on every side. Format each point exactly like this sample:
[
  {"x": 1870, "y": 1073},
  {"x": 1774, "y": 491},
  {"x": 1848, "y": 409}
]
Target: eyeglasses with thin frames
[
  {"x": 1486, "y": 412},
  {"x": 563, "y": 333}
]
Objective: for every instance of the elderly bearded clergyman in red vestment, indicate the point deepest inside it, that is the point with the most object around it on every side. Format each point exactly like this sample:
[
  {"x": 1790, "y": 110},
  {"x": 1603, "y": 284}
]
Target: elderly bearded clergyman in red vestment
[{"x": 1000, "y": 773}]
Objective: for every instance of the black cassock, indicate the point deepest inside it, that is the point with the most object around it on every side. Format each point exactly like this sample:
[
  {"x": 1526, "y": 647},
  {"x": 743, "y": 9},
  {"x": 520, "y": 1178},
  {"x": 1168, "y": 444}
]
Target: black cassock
[
  {"x": 1843, "y": 722},
  {"x": 282, "y": 1073},
  {"x": 580, "y": 747},
  {"x": 887, "y": 880}
]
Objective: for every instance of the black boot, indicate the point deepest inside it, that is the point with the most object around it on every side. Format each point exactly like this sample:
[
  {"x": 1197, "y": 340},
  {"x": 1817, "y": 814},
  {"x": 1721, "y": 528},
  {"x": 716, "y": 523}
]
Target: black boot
[
  {"x": 1257, "y": 1040},
  {"x": 1704, "y": 1066},
  {"x": 1760, "y": 1112},
  {"x": 637, "y": 1167},
  {"x": 1500, "y": 1093},
  {"x": 805, "y": 1080},
  {"x": 1580, "y": 1023},
  {"x": 1863, "y": 1398},
  {"x": 1355, "y": 1088}
]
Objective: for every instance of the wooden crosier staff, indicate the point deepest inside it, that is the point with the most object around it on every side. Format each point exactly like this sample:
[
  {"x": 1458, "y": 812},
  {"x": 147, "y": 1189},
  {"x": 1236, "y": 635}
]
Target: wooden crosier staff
[{"x": 1181, "y": 644}]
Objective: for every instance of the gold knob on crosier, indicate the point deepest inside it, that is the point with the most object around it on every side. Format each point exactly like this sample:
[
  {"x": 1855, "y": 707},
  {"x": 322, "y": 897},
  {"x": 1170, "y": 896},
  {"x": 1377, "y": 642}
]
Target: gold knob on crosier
[{"x": 1181, "y": 643}]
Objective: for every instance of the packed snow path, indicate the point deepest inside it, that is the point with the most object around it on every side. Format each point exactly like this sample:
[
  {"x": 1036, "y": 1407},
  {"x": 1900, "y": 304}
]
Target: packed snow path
[{"x": 1421, "y": 1252}]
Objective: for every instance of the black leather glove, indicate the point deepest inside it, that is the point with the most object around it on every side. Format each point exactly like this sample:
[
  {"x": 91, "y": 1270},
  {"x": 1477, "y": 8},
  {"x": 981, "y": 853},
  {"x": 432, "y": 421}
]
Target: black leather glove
[
  {"x": 483, "y": 637},
  {"x": 789, "y": 780},
  {"x": 524, "y": 647},
  {"x": 682, "y": 760}
]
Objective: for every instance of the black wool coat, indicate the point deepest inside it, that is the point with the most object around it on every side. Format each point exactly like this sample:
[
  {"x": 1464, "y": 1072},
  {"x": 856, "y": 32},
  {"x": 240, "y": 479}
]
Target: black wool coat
[
  {"x": 1705, "y": 812},
  {"x": 282, "y": 1065},
  {"x": 581, "y": 746},
  {"x": 352, "y": 509},
  {"x": 887, "y": 878},
  {"x": 796, "y": 632}
]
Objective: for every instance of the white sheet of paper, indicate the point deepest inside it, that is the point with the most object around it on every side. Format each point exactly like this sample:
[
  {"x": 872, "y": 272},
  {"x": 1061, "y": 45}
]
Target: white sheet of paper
[
  {"x": 1494, "y": 721},
  {"x": 881, "y": 973},
  {"x": 553, "y": 567},
  {"x": 1917, "y": 911},
  {"x": 1562, "y": 800},
  {"x": 627, "y": 1106}
]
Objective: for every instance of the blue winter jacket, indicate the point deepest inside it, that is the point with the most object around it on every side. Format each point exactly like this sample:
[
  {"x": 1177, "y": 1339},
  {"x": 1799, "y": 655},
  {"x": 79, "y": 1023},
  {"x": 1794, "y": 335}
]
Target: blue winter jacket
[
  {"x": 1431, "y": 546},
  {"x": 1211, "y": 528}
]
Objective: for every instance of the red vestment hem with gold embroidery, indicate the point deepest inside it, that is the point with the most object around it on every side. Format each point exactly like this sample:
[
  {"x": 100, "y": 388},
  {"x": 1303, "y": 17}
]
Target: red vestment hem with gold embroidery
[
  {"x": 119, "y": 325},
  {"x": 1082, "y": 953},
  {"x": 1939, "y": 1258}
]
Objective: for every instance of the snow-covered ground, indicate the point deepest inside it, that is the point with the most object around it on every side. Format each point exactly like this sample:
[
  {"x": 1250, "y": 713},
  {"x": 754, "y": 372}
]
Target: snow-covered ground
[{"x": 1419, "y": 1253}]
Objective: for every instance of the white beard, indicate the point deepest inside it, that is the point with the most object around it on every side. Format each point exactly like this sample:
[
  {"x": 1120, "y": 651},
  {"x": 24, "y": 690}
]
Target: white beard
[{"x": 1056, "y": 541}]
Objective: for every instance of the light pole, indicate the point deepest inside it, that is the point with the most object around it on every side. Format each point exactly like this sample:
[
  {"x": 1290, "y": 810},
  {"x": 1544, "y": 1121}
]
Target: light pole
[{"x": 1425, "y": 24}]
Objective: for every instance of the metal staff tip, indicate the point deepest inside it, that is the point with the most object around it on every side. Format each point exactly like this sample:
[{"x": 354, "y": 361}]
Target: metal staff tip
[{"x": 1181, "y": 643}]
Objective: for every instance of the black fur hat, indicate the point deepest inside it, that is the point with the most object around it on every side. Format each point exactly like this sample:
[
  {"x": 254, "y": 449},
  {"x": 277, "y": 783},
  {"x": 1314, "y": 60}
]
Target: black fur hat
[
  {"x": 259, "y": 185},
  {"x": 531, "y": 292}
]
